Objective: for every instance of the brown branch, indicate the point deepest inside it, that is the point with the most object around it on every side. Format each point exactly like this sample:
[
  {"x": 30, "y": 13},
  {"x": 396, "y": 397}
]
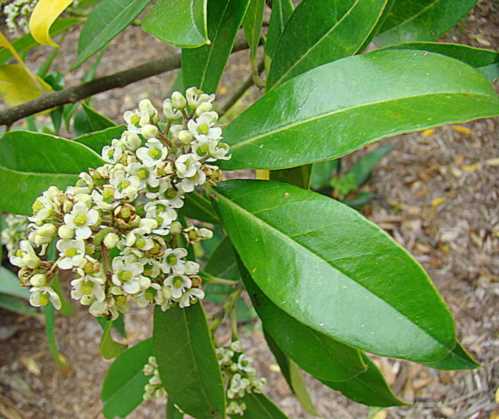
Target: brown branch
[{"x": 99, "y": 85}]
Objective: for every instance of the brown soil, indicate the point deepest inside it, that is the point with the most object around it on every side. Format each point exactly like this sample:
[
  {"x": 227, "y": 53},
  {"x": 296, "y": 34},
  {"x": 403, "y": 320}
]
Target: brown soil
[{"x": 437, "y": 194}]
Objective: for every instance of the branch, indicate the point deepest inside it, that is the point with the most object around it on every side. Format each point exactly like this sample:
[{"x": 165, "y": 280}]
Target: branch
[{"x": 99, "y": 85}]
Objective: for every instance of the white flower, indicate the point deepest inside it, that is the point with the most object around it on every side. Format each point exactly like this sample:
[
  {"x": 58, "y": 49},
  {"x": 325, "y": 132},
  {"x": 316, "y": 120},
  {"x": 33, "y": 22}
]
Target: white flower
[
  {"x": 145, "y": 175},
  {"x": 43, "y": 235},
  {"x": 163, "y": 297},
  {"x": 72, "y": 253},
  {"x": 204, "y": 128},
  {"x": 126, "y": 186},
  {"x": 111, "y": 240},
  {"x": 170, "y": 195},
  {"x": 173, "y": 261},
  {"x": 88, "y": 288},
  {"x": 244, "y": 363},
  {"x": 195, "y": 97},
  {"x": 106, "y": 199},
  {"x": 163, "y": 215},
  {"x": 187, "y": 165},
  {"x": 127, "y": 274},
  {"x": 190, "y": 296},
  {"x": 188, "y": 184},
  {"x": 25, "y": 256},
  {"x": 152, "y": 153},
  {"x": 81, "y": 219},
  {"x": 131, "y": 140},
  {"x": 169, "y": 110},
  {"x": 139, "y": 240},
  {"x": 41, "y": 296},
  {"x": 112, "y": 153},
  {"x": 178, "y": 284}
]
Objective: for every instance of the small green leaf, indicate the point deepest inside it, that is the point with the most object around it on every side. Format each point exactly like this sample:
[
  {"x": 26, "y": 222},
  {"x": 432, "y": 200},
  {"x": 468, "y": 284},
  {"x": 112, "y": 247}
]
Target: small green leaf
[
  {"x": 16, "y": 305},
  {"x": 58, "y": 357},
  {"x": 109, "y": 348},
  {"x": 31, "y": 162},
  {"x": 293, "y": 377},
  {"x": 203, "y": 67},
  {"x": 364, "y": 166},
  {"x": 337, "y": 108},
  {"x": 260, "y": 407},
  {"x": 123, "y": 386},
  {"x": 281, "y": 11},
  {"x": 9, "y": 284},
  {"x": 458, "y": 359},
  {"x": 335, "y": 29},
  {"x": 421, "y": 20},
  {"x": 330, "y": 270},
  {"x": 88, "y": 120},
  {"x": 298, "y": 176},
  {"x": 484, "y": 60},
  {"x": 187, "y": 363},
  {"x": 97, "y": 140},
  {"x": 252, "y": 24},
  {"x": 105, "y": 22},
  {"x": 178, "y": 22},
  {"x": 369, "y": 388}
]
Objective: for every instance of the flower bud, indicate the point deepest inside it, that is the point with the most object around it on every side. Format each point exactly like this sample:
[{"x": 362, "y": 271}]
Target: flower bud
[
  {"x": 178, "y": 100},
  {"x": 204, "y": 107},
  {"x": 111, "y": 240},
  {"x": 149, "y": 131},
  {"x": 176, "y": 228},
  {"x": 38, "y": 280},
  {"x": 185, "y": 137},
  {"x": 65, "y": 232},
  {"x": 131, "y": 140},
  {"x": 205, "y": 233}
]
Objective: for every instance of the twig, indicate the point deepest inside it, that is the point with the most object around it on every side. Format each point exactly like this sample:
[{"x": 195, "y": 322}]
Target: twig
[{"x": 99, "y": 85}]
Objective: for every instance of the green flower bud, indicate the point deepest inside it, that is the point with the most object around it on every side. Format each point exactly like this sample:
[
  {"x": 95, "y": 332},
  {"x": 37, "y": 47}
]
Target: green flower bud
[
  {"x": 178, "y": 100},
  {"x": 111, "y": 240}
]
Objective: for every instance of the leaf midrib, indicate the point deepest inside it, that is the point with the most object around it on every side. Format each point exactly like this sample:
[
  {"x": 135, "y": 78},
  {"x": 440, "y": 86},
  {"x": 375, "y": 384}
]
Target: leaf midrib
[
  {"x": 310, "y": 251},
  {"x": 348, "y": 109}
]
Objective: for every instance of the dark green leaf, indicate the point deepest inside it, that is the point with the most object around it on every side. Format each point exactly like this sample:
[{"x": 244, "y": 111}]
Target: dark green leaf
[
  {"x": 58, "y": 357},
  {"x": 88, "y": 120},
  {"x": 421, "y": 20},
  {"x": 337, "y": 108},
  {"x": 109, "y": 348},
  {"x": 369, "y": 388},
  {"x": 321, "y": 174},
  {"x": 97, "y": 140},
  {"x": 458, "y": 359},
  {"x": 203, "y": 67},
  {"x": 260, "y": 407},
  {"x": 293, "y": 376},
  {"x": 252, "y": 24},
  {"x": 187, "y": 363},
  {"x": 222, "y": 262},
  {"x": 298, "y": 176},
  {"x": 123, "y": 386},
  {"x": 31, "y": 162},
  {"x": 281, "y": 11},
  {"x": 15, "y": 304},
  {"x": 178, "y": 22},
  {"x": 26, "y": 43},
  {"x": 482, "y": 59},
  {"x": 335, "y": 29},
  {"x": 316, "y": 353},
  {"x": 335, "y": 271},
  {"x": 364, "y": 166},
  {"x": 198, "y": 207},
  {"x": 9, "y": 284},
  {"x": 106, "y": 21}
]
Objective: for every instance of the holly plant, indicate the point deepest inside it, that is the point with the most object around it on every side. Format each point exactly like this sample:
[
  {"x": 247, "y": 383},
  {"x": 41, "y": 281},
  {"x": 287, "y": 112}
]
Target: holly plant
[{"x": 124, "y": 215}]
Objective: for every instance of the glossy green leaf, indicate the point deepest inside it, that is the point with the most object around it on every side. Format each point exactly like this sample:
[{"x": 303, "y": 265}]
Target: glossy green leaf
[
  {"x": 281, "y": 12},
  {"x": 335, "y": 271},
  {"x": 88, "y": 120},
  {"x": 203, "y": 67},
  {"x": 9, "y": 284},
  {"x": 337, "y": 108},
  {"x": 187, "y": 363},
  {"x": 97, "y": 140},
  {"x": 458, "y": 359},
  {"x": 421, "y": 20},
  {"x": 31, "y": 162},
  {"x": 293, "y": 377},
  {"x": 123, "y": 386},
  {"x": 485, "y": 60},
  {"x": 222, "y": 262},
  {"x": 369, "y": 388},
  {"x": 109, "y": 348},
  {"x": 26, "y": 42},
  {"x": 16, "y": 305},
  {"x": 260, "y": 407},
  {"x": 179, "y": 22},
  {"x": 335, "y": 29},
  {"x": 104, "y": 23},
  {"x": 252, "y": 24},
  {"x": 198, "y": 207},
  {"x": 316, "y": 353}
]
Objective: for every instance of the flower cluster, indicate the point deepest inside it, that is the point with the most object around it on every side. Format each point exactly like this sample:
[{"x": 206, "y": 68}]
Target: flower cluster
[
  {"x": 14, "y": 230},
  {"x": 153, "y": 389},
  {"x": 240, "y": 376},
  {"x": 118, "y": 228}
]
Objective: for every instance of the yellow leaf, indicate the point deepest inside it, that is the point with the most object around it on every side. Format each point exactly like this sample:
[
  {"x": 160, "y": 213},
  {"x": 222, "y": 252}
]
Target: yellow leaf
[
  {"x": 263, "y": 174},
  {"x": 427, "y": 132},
  {"x": 44, "y": 15},
  {"x": 17, "y": 83},
  {"x": 436, "y": 202}
]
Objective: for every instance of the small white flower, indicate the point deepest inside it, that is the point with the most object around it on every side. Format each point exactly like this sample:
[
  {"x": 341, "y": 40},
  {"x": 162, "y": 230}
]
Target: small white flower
[
  {"x": 125, "y": 186},
  {"x": 88, "y": 288},
  {"x": 178, "y": 284},
  {"x": 195, "y": 97},
  {"x": 173, "y": 261},
  {"x": 191, "y": 296},
  {"x": 131, "y": 140},
  {"x": 152, "y": 153},
  {"x": 105, "y": 200},
  {"x": 25, "y": 256},
  {"x": 41, "y": 296},
  {"x": 204, "y": 128},
  {"x": 128, "y": 274},
  {"x": 139, "y": 240},
  {"x": 187, "y": 165},
  {"x": 188, "y": 184},
  {"x": 170, "y": 112},
  {"x": 111, "y": 240},
  {"x": 112, "y": 153},
  {"x": 81, "y": 219},
  {"x": 72, "y": 253},
  {"x": 145, "y": 175}
]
